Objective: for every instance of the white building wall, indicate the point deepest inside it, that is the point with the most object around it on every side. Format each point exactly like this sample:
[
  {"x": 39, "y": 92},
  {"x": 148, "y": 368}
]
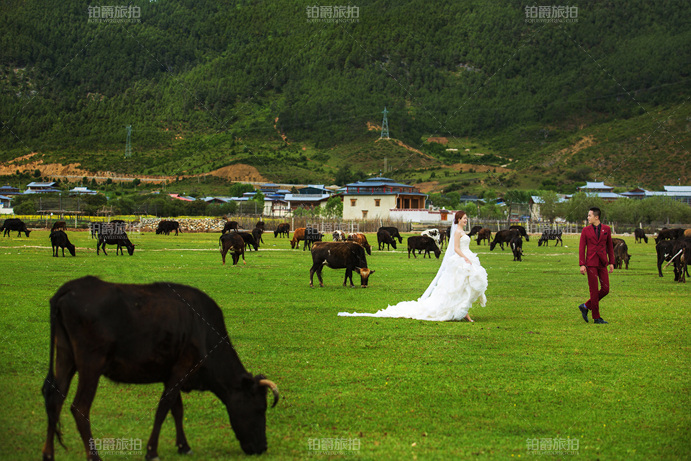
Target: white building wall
[{"x": 367, "y": 202}]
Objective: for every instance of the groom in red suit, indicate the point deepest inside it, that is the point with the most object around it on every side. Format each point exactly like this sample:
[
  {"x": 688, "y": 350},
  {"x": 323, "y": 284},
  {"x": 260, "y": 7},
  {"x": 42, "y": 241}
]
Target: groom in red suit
[{"x": 598, "y": 263}]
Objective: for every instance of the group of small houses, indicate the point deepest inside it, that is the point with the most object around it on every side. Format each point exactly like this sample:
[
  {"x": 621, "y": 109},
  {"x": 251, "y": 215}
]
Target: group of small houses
[{"x": 347, "y": 251}]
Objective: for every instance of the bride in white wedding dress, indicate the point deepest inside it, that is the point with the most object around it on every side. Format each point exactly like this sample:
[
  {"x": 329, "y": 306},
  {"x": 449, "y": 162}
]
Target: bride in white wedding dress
[{"x": 460, "y": 281}]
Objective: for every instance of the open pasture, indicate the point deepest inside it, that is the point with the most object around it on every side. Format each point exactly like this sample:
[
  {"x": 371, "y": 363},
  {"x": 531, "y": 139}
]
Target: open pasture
[{"x": 528, "y": 369}]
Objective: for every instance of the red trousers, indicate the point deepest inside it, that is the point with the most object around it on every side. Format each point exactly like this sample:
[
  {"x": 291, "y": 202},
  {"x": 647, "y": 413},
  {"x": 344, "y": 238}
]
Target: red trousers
[{"x": 595, "y": 273}]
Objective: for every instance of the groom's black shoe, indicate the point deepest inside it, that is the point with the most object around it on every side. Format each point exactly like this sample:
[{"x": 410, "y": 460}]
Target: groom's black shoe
[
  {"x": 599, "y": 321},
  {"x": 584, "y": 312}
]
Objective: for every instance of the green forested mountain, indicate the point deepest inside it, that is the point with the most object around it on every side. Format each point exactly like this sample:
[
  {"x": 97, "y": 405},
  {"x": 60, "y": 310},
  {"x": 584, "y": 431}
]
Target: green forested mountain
[{"x": 211, "y": 83}]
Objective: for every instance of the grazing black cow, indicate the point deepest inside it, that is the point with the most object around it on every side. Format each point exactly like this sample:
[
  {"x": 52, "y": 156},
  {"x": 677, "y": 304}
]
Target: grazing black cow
[
  {"x": 550, "y": 234},
  {"x": 257, "y": 234},
  {"x": 141, "y": 334},
  {"x": 58, "y": 239},
  {"x": 384, "y": 238},
  {"x": 59, "y": 225},
  {"x": 166, "y": 227},
  {"x": 311, "y": 235},
  {"x": 114, "y": 234},
  {"x": 516, "y": 244},
  {"x": 393, "y": 231},
  {"x": 484, "y": 234},
  {"x": 249, "y": 240},
  {"x": 14, "y": 224},
  {"x": 340, "y": 255},
  {"x": 681, "y": 252},
  {"x": 502, "y": 237},
  {"x": 423, "y": 243},
  {"x": 621, "y": 253},
  {"x": 282, "y": 229},
  {"x": 639, "y": 235},
  {"x": 522, "y": 231},
  {"x": 229, "y": 226},
  {"x": 474, "y": 230},
  {"x": 232, "y": 241},
  {"x": 669, "y": 234},
  {"x": 664, "y": 253}
]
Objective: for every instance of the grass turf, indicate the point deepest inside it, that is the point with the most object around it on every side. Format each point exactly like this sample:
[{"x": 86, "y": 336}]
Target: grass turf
[{"x": 528, "y": 369}]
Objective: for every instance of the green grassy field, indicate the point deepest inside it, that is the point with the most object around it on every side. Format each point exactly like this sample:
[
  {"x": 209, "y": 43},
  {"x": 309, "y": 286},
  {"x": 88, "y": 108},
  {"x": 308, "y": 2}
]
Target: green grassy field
[{"x": 528, "y": 369}]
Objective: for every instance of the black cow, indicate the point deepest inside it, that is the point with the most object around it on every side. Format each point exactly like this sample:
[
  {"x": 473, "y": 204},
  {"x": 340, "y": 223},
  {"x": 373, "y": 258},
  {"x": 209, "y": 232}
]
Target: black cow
[
  {"x": 249, "y": 240},
  {"x": 550, "y": 234},
  {"x": 282, "y": 229},
  {"x": 340, "y": 255},
  {"x": 516, "y": 244},
  {"x": 639, "y": 235},
  {"x": 484, "y": 234},
  {"x": 522, "y": 231},
  {"x": 423, "y": 243},
  {"x": 502, "y": 237},
  {"x": 257, "y": 234},
  {"x": 393, "y": 231},
  {"x": 311, "y": 235},
  {"x": 681, "y": 260},
  {"x": 59, "y": 225},
  {"x": 229, "y": 226},
  {"x": 58, "y": 239},
  {"x": 14, "y": 224},
  {"x": 232, "y": 240},
  {"x": 94, "y": 227},
  {"x": 114, "y": 234},
  {"x": 166, "y": 227},
  {"x": 443, "y": 236},
  {"x": 664, "y": 253},
  {"x": 474, "y": 230},
  {"x": 669, "y": 234},
  {"x": 140, "y": 334},
  {"x": 384, "y": 238},
  {"x": 621, "y": 254}
]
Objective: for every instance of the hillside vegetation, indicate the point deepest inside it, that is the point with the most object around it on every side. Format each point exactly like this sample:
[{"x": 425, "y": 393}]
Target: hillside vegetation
[{"x": 206, "y": 85}]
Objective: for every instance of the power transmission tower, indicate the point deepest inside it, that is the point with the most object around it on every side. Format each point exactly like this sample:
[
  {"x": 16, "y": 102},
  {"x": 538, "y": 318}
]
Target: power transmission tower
[
  {"x": 128, "y": 145},
  {"x": 385, "y": 126}
]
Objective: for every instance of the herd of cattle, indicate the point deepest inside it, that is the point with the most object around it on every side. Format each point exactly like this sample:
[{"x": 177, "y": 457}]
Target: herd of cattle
[
  {"x": 89, "y": 319},
  {"x": 672, "y": 245}
]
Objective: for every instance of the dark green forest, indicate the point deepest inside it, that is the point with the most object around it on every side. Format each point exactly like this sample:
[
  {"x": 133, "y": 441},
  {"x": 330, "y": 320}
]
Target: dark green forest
[{"x": 206, "y": 84}]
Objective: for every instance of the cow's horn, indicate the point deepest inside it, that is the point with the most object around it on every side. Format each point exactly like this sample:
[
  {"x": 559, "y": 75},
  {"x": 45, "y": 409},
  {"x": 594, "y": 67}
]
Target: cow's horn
[{"x": 271, "y": 385}]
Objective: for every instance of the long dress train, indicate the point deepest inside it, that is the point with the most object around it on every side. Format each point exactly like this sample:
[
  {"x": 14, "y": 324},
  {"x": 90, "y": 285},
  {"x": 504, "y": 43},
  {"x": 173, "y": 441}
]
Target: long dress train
[{"x": 455, "y": 288}]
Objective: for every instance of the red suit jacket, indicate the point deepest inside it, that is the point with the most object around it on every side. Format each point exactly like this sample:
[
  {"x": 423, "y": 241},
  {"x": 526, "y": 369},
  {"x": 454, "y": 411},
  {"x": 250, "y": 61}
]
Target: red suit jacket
[{"x": 600, "y": 251}]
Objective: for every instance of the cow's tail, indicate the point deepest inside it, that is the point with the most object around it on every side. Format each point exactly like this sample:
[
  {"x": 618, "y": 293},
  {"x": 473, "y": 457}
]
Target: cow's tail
[{"x": 50, "y": 390}]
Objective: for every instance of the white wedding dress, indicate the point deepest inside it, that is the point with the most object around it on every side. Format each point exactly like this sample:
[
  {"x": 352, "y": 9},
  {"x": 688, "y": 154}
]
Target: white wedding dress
[{"x": 454, "y": 289}]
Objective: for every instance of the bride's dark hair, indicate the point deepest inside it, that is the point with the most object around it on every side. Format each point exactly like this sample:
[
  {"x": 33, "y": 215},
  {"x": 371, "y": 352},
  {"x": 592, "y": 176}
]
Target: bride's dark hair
[{"x": 458, "y": 217}]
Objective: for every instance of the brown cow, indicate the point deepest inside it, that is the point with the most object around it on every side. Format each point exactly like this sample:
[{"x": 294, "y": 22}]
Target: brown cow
[
  {"x": 298, "y": 235},
  {"x": 362, "y": 240},
  {"x": 232, "y": 241},
  {"x": 621, "y": 253},
  {"x": 687, "y": 233}
]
